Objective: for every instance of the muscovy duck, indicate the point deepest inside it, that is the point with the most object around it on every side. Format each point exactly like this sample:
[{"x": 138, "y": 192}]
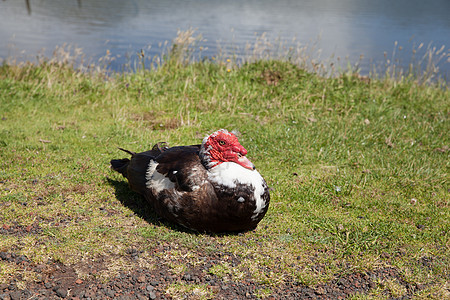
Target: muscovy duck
[{"x": 210, "y": 187}]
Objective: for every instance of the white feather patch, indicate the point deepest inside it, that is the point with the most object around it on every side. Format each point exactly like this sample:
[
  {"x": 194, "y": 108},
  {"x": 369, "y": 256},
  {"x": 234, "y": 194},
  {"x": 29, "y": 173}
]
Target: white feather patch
[
  {"x": 157, "y": 181},
  {"x": 230, "y": 173}
]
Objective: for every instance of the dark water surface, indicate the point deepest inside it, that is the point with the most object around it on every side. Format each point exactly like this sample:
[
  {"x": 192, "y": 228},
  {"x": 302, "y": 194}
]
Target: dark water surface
[{"x": 344, "y": 28}]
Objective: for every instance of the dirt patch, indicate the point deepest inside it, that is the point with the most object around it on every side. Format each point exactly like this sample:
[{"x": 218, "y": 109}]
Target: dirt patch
[
  {"x": 54, "y": 280},
  {"x": 80, "y": 189},
  {"x": 271, "y": 77},
  {"x": 20, "y": 230},
  {"x": 157, "y": 121}
]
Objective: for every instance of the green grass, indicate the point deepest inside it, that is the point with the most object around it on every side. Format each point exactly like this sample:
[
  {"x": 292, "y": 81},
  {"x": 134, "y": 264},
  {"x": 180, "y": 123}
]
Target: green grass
[{"x": 358, "y": 170}]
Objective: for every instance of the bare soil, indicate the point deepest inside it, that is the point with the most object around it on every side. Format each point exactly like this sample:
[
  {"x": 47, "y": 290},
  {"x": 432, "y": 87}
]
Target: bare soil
[{"x": 56, "y": 280}]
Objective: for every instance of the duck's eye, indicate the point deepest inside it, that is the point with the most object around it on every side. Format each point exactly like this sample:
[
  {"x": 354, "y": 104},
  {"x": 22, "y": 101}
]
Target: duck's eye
[{"x": 222, "y": 143}]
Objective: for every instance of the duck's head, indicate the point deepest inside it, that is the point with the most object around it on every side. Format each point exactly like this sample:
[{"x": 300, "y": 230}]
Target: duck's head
[{"x": 223, "y": 146}]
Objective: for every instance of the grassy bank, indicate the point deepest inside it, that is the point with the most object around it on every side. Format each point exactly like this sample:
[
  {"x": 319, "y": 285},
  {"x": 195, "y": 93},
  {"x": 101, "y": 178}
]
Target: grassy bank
[{"x": 358, "y": 170}]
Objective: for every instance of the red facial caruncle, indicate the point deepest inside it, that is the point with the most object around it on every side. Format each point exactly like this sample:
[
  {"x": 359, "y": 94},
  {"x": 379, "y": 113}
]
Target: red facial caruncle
[{"x": 223, "y": 146}]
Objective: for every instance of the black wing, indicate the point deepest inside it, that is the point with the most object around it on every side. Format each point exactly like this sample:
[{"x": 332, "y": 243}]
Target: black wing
[{"x": 182, "y": 166}]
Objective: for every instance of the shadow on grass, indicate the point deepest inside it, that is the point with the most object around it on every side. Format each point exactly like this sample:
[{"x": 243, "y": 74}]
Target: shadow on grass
[
  {"x": 140, "y": 206},
  {"x": 144, "y": 210}
]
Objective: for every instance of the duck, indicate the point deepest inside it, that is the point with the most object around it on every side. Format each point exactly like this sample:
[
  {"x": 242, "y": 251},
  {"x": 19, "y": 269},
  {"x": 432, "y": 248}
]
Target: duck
[{"x": 209, "y": 187}]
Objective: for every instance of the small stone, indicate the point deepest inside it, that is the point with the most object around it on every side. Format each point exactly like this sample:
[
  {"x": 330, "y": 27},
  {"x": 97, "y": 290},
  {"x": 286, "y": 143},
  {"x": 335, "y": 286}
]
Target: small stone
[
  {"x": 48, "y": 285},
  {"x": 152, "y": 295},
  {"x": 187, "y": 277},
  {"x": 4, "y": 255},
  {"x": 61, "y": 292},
  {"x": 141, "y": 278},
  {"x": 21, "y": 258},
  {"x": 79, "y": 281},
  {"x": 15, "y": 295},
  {"x": 413, "y": 201},
  {"x": 141, "y": 297},
  {"x": 149, "y": 288},
  {"x": 366, "y": 121},
  {"x": 110, "y": 293},
  {"x": 320, "y": 291}
]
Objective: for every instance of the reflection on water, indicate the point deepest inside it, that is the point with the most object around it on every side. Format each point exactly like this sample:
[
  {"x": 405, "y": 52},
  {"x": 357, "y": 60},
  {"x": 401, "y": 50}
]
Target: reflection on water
[
  {"x": 28, "y": 5},
  {"x": 345, "y": 28}
]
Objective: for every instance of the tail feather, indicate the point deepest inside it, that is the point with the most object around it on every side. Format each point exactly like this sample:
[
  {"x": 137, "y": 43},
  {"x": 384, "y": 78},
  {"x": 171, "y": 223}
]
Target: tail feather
[
  {"x": 121, "y": 166},
  {"x": 128, "y": 151},
  {"x": 135, "y": 169}
]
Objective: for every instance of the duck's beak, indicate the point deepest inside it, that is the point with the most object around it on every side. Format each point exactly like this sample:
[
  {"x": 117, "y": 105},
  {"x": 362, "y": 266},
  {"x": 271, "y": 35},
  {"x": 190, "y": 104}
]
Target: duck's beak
[{"x": 245, "y": 162}]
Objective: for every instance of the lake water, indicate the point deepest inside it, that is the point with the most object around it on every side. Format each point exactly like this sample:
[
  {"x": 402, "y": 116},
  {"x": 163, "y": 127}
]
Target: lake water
[{"x": 351, "y": 29}]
